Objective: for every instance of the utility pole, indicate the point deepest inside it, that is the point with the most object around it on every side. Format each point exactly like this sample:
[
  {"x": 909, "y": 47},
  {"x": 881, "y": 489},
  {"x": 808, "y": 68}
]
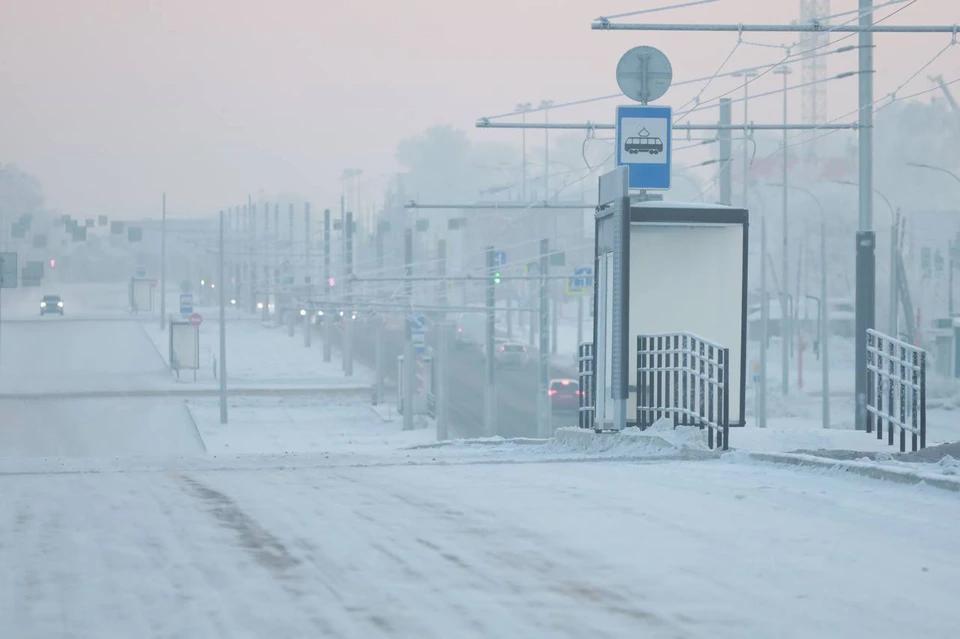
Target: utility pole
[
  {"x": 894, "y": 272},
  {"x": 254, "y": 278},
  {"x": 786, "y": 328},
  {"x": 866, "y": 238},
  {"x": 824, "y": 322},
  {"x": 442, "y": 271},
  {"x": 408, "y": 354},
  {"x": 726, "y": 152},
  {"x": 441, "y": 379},
  {"x": 764, "y": 328},
  {"x": 163, "y": 265},
  {"x": 292, "y": 321},
  {"x": 348, "y": 286},
  {"x": 277, "y": 262},
  {"x": 544, "y": 412},
  {"x": 489, "y": 389},
  {"x": 545, "y": 105},
  {"x": 268, "y": 285},
  {"x": 328, "y": 291},
  {"x": 307, "y": 282},
  {"x": 222, "y": 370}
]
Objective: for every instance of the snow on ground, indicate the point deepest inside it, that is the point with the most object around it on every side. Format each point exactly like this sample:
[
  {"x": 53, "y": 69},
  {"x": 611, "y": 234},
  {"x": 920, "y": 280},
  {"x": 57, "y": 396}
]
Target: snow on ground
[
  {"x": 56, "y": 356},
  {"x": 263, "y": 355},
  {"x": 301, "y": 425},
  {"x": 97, "y": 428},
  {"x": 669, "y": 549}
]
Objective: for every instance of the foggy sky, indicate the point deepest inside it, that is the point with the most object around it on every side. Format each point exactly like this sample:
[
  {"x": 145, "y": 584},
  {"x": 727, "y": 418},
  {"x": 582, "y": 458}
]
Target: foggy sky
[{"x": 111, "y": 102}]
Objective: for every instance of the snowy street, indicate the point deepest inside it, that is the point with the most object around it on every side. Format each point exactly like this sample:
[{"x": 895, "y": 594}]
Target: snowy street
[{"x": 675, "y": 549}]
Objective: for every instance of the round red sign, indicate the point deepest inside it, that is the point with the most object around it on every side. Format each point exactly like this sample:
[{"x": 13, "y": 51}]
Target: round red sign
[{"x": 195, "y": 319}]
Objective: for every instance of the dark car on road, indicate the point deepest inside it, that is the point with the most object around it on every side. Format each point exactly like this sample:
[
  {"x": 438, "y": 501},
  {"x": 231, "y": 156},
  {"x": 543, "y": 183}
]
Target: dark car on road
[
  {"x": 564, "y": 394},
  {"x": 51, "y": 304}
]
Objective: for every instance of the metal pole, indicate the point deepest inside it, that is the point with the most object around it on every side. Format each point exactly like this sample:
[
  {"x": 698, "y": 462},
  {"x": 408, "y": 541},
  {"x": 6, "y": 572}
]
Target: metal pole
[
  {"x": 726, "y": 152},
  {"x": 746, "y": 150},
  {"x": 866, "y": 240},
  {"x": 328, "y": 292},
  {"x": 222, "y": 370},
  {"x": 554, "y": 320},
  {"x": 307, "y": 281},
  {"x": 441, "y": 381},
  {"x": 580, "y": 319},
  {"x": 544, "y": 412},
  {"x": 252, "y": 238},
  {"x": 824, "y": 322},
  {"x": 291, "y": 323},
  {"x": 442, "y": 271},
  {"x": 268, "y": 284},
  {"x": 894, "y": 280},
  {"x": 523, "y": 144},
  {"x": 408, "y": 354},
  {"x": 163, "y": 265},
  {"x": 348, "y": 286},
  {"x": 379, "y": 357},
  {"x": 786, "y": 326},
  {"x": 489, "y": 389},
  {"x": 764, "y": 328}
]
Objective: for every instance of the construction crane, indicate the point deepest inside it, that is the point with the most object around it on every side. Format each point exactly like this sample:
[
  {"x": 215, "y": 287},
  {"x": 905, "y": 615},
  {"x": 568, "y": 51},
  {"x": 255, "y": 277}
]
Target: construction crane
[{"x": 946, "y": 92}]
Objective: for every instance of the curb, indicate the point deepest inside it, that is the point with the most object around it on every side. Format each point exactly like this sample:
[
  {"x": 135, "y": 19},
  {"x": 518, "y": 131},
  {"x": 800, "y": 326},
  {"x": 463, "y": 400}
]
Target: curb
[
  {"x": 359, "y": 391},
  {"x": 196, "y": 429},
  {"x": 872, "y": 472}
]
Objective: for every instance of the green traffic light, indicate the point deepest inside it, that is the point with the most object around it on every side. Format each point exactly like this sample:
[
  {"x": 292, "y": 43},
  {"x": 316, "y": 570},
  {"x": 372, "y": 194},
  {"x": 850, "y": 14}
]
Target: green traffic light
[{"x": 496, "y": 277}]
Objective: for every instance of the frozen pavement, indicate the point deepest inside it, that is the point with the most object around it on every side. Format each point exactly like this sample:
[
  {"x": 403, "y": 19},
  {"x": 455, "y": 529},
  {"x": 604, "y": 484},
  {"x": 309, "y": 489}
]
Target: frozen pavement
[
  {"x": 263, "y": 355},
  {"x": 264, "y": 426},
  {"x": 671, "y": 549}
]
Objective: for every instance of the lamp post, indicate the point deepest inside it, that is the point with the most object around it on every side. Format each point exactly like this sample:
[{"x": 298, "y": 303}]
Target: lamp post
[
  {"x": 523, "y": 109},
  {"x": 894, "y": 251},
  {"x": 824, "y": 307},
  {"x": 953, "y": 243}
]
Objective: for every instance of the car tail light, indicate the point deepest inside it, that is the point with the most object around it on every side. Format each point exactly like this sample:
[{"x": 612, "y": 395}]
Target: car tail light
[
  {"x": 552, "y": 391},
  {"x": 503, "y": 349},
  {"x": 565, "y": 382},
  {"x": 524, "y": 349}
]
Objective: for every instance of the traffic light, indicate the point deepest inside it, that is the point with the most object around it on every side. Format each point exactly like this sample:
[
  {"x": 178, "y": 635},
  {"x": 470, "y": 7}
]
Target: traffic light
[{"x": 496, "y": 277}]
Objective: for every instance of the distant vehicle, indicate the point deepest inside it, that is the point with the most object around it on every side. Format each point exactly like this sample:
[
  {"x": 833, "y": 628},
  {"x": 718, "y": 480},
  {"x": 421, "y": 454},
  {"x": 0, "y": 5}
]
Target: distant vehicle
[
  {"x": 471, "y": 330},
  {"x": 511, "y": 355},
  {"x": 650, "y": 145},
  {"x": 51, "y": 304},
  {"x": 564, "y": 394}
]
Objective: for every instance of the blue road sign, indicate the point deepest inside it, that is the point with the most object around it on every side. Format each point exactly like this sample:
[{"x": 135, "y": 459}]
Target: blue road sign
[
  {"x": 499, "y": 258},
  {"x": 141, "y": 271},
  {"x": 186, "y": 303},
  {"x": 582, "y": 278},
  {"x": 645, "y": 145},
  {"x": 418, "y": 323}
]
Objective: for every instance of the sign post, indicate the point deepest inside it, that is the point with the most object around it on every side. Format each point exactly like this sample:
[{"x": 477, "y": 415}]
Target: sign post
[
  {"x": 186, "y": 303},
  {"x": 418, "y": 327}
]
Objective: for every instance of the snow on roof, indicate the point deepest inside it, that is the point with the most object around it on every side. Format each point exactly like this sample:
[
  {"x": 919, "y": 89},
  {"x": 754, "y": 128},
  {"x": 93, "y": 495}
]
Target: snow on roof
[{"x": 668, "y": 204}]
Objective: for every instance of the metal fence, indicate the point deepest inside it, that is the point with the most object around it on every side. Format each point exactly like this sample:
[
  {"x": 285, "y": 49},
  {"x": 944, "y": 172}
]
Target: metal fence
[
  {"x": 896, "y": 389},
  {"x": 686, "y": 378},
  {"x": 588, "y": 384}
]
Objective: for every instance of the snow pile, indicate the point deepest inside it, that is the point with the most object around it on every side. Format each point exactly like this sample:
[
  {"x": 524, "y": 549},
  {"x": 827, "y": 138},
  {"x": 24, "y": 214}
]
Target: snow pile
[{"x": 661, "y": 440}]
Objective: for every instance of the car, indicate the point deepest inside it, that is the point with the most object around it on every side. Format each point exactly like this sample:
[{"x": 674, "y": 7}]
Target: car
[
  {"x": 51, "y": 304},
  {"x": 564, "y": 394},
  {"x": 511, "y": 355}
]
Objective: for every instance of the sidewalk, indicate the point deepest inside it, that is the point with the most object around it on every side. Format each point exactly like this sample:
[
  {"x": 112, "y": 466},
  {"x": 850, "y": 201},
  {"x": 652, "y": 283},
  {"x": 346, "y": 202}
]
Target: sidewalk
[{"x": 260, "y": 355}]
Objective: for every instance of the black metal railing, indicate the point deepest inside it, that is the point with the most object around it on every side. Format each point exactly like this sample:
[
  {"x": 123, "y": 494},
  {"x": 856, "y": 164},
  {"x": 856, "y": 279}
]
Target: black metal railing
[
  {"x": 588, "y": 384},
  {"x": 896, "y": 389},
  {"x": 686, "y": 378}
]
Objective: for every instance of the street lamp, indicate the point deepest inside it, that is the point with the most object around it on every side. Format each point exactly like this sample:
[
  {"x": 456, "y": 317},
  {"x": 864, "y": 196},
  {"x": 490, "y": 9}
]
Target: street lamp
[
  {"x": 921, "y": 165},
  {"x": 894, "y": 280},
  {"x": 824, "y": 306},
  {"x": 524, "y": 108},
  {"x": 746, "y": 75}
]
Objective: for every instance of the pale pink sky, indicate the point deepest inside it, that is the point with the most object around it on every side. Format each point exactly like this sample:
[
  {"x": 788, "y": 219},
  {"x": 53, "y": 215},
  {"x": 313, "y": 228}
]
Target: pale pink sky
[{"x": 110, "y": 102}]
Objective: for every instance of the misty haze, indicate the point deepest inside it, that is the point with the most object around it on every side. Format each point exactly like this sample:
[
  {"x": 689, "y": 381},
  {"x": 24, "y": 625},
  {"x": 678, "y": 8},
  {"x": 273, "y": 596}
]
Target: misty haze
[{"x": 522, "y": 319}]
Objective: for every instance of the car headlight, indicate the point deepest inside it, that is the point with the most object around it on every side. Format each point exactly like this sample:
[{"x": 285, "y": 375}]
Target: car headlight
[
  {"x": 303, "y": 311},
  {"x": 43, "y": 304},
  {"x": 60, "y": 304}
]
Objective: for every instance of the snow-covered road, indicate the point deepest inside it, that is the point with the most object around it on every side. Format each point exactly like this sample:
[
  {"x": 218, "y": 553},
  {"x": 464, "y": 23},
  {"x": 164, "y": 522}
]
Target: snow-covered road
[{"x": 674, "y": 549}]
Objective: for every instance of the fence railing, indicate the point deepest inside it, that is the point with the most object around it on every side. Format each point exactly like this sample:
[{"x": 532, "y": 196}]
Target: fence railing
[
  {"x": 588, "y": 384},
  {"x": 896, "y": 389},
  {"x": 685, "y": 378}
]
